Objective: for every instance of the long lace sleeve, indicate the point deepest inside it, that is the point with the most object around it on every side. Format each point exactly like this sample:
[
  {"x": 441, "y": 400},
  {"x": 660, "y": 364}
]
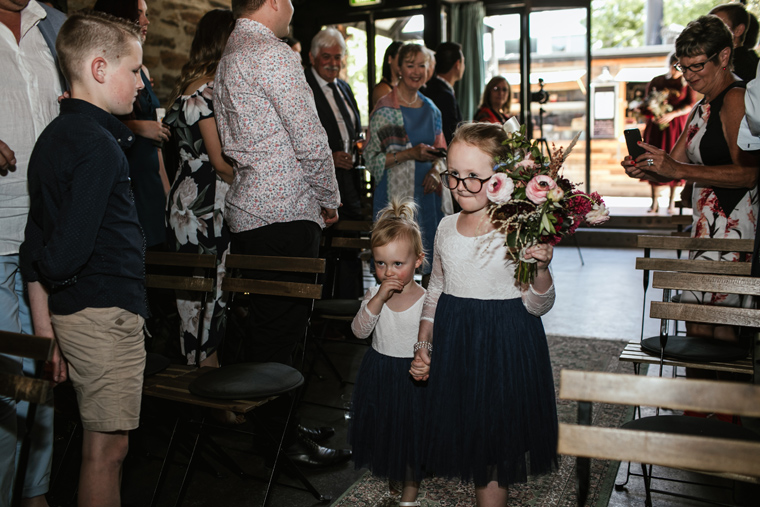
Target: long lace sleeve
[
  {"x": 434, "y": 290},
  {"x": 538, "y": 304},
  {"x": 364, "y": 322}
]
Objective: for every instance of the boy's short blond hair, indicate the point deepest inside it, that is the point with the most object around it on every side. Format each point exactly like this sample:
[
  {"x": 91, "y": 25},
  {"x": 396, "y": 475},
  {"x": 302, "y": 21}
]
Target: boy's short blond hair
[{"x": 85, "y": 32}]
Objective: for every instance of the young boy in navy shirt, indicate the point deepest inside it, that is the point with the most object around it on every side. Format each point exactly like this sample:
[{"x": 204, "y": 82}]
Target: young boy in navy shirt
[{"x": 84, "y": 243}]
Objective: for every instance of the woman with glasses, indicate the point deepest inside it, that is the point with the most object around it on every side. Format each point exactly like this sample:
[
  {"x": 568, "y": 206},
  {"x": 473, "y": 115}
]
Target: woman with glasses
[
  {"x": 494, "y": 106},
  {"x": 405, "y": 141},
  {"x": 663, "y": 126},
  {"x": 724, "y": 178}
]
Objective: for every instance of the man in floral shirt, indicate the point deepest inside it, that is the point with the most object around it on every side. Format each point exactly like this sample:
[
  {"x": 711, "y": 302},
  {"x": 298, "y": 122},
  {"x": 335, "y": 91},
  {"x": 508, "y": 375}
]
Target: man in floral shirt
[{"x": 284, "y": 190}]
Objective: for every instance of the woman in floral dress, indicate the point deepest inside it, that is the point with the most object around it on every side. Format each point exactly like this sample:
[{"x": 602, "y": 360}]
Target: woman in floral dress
[
  {"x": 195, "y": 206},
  {"x": 724, "y": 198}
]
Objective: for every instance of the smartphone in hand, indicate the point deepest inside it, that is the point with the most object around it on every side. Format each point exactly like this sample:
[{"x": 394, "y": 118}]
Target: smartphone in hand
[
  {"x": 632, "y": 137},
  {"x": 438, "y": 152}
]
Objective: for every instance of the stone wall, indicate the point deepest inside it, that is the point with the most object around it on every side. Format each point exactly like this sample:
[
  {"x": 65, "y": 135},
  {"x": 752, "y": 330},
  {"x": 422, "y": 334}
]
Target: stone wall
[{"x": 171, "y": 30}]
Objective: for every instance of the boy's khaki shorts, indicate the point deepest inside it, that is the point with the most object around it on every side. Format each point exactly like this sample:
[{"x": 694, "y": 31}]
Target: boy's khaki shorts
[{"x": 106, "y": 356}]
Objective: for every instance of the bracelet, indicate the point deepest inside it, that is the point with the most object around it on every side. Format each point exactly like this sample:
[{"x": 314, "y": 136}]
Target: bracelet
[
  {"x": 423, "y": 345},
  {"x": 395, "y": 159}
]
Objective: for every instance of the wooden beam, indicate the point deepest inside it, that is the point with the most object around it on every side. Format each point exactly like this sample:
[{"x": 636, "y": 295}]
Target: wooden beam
[
  {"x": 26, "y": 345},
  {"x": 694, "y": 266},
  {"x": 665, "y": 449},
  {"x": 267, "y": 263},
  {"x": 680, "y": 394},
  {"x": 706, "y": 244},
  {"x": 707, "y": 282},
  {"x": 19, "y": 387}
]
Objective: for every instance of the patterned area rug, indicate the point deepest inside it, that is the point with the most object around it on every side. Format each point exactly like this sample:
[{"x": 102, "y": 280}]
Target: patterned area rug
[{"x": 555, "y": 490}]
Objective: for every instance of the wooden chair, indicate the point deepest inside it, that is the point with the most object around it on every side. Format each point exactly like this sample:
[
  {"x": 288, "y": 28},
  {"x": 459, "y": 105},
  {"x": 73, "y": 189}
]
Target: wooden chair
[
  {"x": 20, "y": 387},
  {"x": 675, "y": 441},
  {"x": 702, "y": 351},
  {"x": 239, "y": 387},
  {"x": 649, "y": 263},
  {"x": 334, "y": 310}
]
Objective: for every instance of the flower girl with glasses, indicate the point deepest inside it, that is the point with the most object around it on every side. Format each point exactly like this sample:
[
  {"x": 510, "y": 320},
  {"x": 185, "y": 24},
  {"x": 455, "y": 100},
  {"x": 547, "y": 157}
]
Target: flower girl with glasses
[
  {"x": 385, "y": 427},
  {"x": 490, "y": 412}
]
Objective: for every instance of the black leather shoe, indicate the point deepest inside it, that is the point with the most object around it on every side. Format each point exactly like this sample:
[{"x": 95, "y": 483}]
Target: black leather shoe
[
  {"x": 318, "y": 435},
  {"x": 308, "y": 453}
]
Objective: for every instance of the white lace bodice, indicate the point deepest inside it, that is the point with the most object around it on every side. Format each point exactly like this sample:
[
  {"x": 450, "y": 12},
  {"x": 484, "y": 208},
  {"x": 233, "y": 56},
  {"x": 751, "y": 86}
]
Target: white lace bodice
[
  {"x": 477, "y": 268},
  {"x": 395, "y": 332}
]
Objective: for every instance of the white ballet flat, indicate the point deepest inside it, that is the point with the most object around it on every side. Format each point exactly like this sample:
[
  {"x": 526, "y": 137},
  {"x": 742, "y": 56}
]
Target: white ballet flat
[{"x": 416, "y": 503}]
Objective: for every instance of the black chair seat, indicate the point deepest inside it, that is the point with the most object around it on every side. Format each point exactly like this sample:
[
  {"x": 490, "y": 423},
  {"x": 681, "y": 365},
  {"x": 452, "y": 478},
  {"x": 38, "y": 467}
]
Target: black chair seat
[
  {"x": 155, "y": 363},
  {"x": 692, "y": 426},
  {"x": 698, "y": 350},
  {"x": 246, "y": 381},
  {"x": 337, "y": 307}
]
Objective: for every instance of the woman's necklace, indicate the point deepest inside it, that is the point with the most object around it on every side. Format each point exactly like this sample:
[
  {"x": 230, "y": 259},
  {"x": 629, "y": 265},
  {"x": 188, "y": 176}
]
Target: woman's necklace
[{"x": 409, "y": 103}]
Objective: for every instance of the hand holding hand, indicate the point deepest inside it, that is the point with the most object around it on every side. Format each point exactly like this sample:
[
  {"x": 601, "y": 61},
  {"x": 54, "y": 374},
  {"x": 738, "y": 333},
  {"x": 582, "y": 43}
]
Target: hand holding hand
[
  {"x": 343, "y": 160},
  {"x": 542, "y": 252},
  {"x": 420, "y": 369}
]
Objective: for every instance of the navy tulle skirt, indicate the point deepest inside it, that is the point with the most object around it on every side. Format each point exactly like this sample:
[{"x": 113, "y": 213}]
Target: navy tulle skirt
[
  {"x": 491, "y": 413},
  {"x": 386, "y": 426}
]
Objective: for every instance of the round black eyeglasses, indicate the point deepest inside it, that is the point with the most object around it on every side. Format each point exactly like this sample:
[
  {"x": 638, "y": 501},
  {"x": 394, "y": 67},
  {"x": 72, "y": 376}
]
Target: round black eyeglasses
[{"x": 471, "y": 183}]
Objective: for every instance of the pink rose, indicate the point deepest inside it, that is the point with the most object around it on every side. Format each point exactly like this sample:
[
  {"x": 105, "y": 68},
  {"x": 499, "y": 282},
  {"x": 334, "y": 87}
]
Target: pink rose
[
  {"x": 538, "y": 187},
  {"x": 526, "y": 162},
  {"x": 500, "y": 188}
]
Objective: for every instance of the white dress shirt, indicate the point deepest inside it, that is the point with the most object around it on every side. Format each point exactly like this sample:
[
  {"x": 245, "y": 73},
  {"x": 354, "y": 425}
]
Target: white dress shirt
[
  {"x": 30, "y": 84},
  {"x": 749, "y": 131},
  {"x": 324, "y": 85}
]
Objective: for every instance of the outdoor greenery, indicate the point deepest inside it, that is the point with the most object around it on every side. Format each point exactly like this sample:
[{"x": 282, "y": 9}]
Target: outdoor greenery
[{"x": 620, "y": 23}]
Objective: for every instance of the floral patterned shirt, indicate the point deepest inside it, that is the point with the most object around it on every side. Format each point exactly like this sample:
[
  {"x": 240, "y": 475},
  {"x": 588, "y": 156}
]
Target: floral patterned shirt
[{"x": 269, "y": 127}]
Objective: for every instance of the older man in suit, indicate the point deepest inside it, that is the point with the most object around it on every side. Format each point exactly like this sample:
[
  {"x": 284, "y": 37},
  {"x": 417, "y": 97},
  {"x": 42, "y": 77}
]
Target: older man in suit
[{"x": 338, "y": 112}]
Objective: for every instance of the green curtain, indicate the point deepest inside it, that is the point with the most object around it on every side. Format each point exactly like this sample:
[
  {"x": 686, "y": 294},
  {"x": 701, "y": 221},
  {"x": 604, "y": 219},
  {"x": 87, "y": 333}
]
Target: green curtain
[{"x": 467, "y": 29}]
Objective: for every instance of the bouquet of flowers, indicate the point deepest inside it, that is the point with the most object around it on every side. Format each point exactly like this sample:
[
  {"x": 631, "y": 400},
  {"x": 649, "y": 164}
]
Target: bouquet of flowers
[
  {"x": 657, "y": 103},
  {"x": 532, "y": 204}
]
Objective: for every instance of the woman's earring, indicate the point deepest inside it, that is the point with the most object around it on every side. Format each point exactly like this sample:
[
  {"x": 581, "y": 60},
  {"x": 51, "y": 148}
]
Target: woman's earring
[{"x": 724, "y": 68}]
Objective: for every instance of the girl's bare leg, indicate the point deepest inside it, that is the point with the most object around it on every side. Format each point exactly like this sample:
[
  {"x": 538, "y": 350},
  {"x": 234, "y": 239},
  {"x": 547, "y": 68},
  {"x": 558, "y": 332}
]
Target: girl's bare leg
[
  {"x": 491, "y": 495},
  {"x": 409, "y": 493}
]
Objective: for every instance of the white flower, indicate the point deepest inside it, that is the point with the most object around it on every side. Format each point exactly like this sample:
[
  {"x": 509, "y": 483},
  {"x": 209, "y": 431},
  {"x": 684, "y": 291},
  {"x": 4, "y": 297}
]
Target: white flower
[
  {"x": 598, "y": 215},
  {"x": 512, "y": 125},
  {"x": 195, "y": 106},
  {"x": 182, "y": 220},
  {"x": 219, "y": 206},
  {"x": 196, "y": 163},
  {"x": 189, "y": 311}
]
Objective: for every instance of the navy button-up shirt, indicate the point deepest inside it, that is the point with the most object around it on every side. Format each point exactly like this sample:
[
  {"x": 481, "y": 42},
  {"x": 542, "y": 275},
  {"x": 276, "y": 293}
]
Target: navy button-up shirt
[{"x": 82, "y": 238}]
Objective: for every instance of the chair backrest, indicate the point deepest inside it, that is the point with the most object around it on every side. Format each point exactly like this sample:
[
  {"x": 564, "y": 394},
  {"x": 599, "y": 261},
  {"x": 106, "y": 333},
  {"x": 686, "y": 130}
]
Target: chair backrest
[
  {"x": 714, "y": 455},
  {"x": 274, "y": 288},
  {"x": 20, "y": 387},
  {"x": 652, "y": 242},
  {"x": 359, "y": 240},
  {"x": 188, "y": 264},
  {"x": 707, "y": 314}
]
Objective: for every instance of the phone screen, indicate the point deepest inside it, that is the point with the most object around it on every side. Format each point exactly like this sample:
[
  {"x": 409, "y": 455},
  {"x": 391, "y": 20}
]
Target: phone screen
[{"x": 633, "y": 136}]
